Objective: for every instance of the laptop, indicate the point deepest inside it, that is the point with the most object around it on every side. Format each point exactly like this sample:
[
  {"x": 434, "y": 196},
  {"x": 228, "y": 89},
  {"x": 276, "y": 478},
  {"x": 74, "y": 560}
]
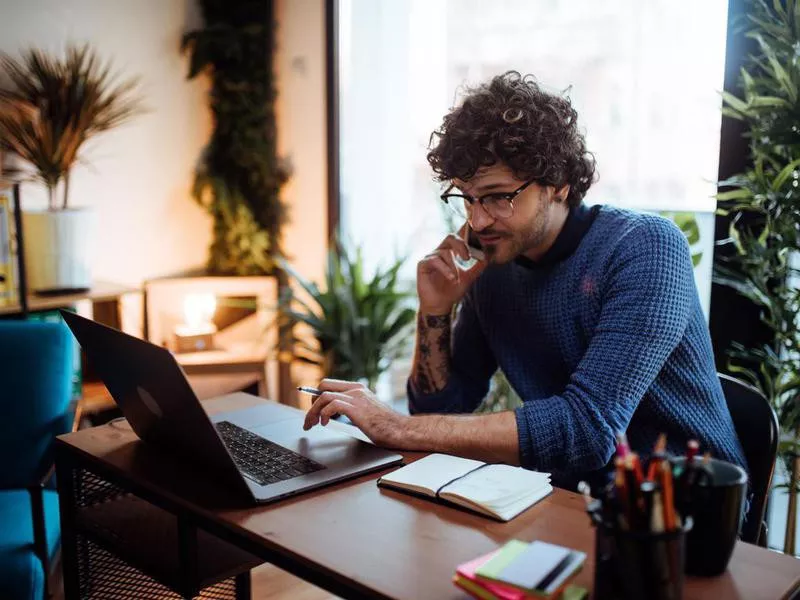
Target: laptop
[{"x": 262, "y": 452}]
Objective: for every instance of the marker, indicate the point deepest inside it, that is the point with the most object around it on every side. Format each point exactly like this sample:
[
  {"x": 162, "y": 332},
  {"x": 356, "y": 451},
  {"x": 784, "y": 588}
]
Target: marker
[{"x": 622, "y": 445}]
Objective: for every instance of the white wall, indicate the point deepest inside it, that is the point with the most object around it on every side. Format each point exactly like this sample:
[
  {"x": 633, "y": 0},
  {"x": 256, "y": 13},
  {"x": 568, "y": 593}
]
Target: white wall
[
  {"x": 300, "y": 79},
  {"x": 140, "y": 175},
  {"x": 300, "y": 73}
]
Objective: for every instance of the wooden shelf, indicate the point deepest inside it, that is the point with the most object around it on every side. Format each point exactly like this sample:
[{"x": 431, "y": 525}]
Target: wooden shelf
[
  {"x": 96, "y": 398},
  {"x": 100, "y": 291}
]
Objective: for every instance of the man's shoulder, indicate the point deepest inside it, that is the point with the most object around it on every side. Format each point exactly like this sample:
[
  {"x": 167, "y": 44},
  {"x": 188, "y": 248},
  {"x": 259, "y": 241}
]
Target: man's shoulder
[{"x": 624, "y": 228}]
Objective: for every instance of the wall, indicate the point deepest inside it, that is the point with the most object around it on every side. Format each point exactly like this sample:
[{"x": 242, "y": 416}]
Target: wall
[
  {"x": 300, "y": 72},
  {"x": 140, "y": 174}
]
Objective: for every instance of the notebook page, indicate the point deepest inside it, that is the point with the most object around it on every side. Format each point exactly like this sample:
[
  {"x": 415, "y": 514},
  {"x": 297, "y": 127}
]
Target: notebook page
[
  {"x": 430, "y": 473},
  {"x": 498, "y": 484},
  {"x": 500, "y": 489}
]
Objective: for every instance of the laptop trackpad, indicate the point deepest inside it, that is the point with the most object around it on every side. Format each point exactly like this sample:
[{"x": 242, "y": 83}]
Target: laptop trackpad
[{"x": 322, "y": 445}]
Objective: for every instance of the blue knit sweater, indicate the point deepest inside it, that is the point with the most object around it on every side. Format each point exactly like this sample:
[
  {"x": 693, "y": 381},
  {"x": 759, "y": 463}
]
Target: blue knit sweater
[{"x": 611, "y": 338}]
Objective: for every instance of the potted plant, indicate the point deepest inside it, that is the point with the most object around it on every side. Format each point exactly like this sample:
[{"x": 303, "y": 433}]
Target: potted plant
[
  {"x": 49, "y": 107},
  {"x": 765, "y": 222},
  {"x": 358, "y": 324}
]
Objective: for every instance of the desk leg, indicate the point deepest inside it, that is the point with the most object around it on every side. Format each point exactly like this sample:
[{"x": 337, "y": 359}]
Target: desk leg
[
  {"x": 69, "y": 542},
  {"x": 243, "y": 589},
  {"x": 187, "y": 555}
]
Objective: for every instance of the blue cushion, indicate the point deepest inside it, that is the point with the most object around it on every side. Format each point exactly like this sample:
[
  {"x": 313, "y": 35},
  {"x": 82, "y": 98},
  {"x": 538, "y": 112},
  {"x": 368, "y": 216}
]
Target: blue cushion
[
  {"x": 21, "y": 575},
  {"x": 36, "y": 361},
  {"x": 21, "y": 572}
]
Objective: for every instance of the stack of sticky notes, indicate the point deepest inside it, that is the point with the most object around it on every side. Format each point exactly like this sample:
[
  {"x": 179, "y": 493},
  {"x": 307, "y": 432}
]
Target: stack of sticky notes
[{"x": 521, "y": 570}]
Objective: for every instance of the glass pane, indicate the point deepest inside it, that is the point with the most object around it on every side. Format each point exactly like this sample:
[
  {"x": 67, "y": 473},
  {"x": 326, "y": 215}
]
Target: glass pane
[{"x": 643, "y": 76}]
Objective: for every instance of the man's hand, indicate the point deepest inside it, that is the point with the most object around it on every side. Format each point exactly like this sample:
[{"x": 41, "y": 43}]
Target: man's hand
[
  {"x": 440, "y": 283},
  {"x": 379, "y": 423}
]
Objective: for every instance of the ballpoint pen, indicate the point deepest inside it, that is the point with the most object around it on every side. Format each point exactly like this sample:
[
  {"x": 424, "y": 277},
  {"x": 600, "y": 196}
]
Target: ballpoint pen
[{"x": 309, "y": 390}]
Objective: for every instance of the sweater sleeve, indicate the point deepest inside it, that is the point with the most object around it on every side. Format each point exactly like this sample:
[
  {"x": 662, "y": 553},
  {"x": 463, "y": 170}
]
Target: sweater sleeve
[
  {"x": 471, "y": 366},
  {"x": 646, "y": 297}
]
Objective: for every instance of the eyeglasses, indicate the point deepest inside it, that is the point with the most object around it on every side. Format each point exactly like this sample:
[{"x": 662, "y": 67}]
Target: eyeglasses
[{"x": 499, "y": 205}]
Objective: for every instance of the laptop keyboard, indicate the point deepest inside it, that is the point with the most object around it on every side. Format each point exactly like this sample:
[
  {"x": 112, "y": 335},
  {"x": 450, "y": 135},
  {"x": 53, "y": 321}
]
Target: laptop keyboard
[{"x": 260, "y": 459}]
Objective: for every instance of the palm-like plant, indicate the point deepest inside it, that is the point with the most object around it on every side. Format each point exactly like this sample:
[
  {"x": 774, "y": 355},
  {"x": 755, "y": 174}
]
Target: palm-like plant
[
  {"x": 358, "y": 324},
  {"x": 764, "y": 205},
  {"x": 52, "y": 106}
]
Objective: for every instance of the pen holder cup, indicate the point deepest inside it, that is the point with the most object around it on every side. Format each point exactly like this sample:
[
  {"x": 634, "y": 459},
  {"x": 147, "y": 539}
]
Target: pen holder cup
[
  {"x": 715, "y": 501},
  {"x": 632, "y": 565}
]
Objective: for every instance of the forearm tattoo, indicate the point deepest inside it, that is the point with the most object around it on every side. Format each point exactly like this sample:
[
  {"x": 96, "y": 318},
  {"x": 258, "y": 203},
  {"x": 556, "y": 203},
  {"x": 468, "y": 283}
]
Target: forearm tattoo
[{"x": 432, "y": 361}]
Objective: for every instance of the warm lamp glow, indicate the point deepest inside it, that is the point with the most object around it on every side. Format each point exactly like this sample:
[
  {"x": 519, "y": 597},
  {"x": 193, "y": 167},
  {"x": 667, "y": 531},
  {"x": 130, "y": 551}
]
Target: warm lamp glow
[
  {"x": 197, "y": 331},
  {"x": 198, "y": 310}
]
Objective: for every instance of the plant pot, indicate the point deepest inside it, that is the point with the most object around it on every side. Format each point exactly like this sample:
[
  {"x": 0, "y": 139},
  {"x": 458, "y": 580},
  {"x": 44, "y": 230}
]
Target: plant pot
[{"x": 58, "y": 249}]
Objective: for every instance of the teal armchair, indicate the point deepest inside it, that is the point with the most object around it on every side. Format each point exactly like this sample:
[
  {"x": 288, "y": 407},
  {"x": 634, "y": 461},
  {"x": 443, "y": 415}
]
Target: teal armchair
[{"x": 36, "y": 362}]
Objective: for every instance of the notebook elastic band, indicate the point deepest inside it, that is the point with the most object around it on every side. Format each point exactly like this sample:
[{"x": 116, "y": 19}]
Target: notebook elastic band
[{"x": 462, "y": 477}]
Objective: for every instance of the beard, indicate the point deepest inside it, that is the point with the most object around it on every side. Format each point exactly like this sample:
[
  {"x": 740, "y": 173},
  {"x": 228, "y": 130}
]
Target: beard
[{"x": 513, "y": 244}]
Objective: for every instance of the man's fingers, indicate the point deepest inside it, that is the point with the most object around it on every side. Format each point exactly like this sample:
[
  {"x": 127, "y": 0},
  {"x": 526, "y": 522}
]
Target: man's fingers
[
  {"x": 474, "y": 271},
  {"x": 338, "y": 385},
  {"x": 456, "y": 244},
  {"x": 435, "y": 262},
  {"x": 334, "y": 407},
  {"x": 312, "y": 416}
]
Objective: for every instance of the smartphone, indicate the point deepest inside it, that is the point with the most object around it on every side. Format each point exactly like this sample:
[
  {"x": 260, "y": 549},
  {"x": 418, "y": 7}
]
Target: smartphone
[
  {"x": 474, "y": 244},
  {"x": 475, "y": 250}
]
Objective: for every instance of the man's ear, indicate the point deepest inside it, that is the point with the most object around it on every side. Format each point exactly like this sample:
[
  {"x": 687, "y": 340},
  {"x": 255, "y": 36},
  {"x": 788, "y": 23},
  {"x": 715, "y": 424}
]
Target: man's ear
[{"x": 562, "y": 194}]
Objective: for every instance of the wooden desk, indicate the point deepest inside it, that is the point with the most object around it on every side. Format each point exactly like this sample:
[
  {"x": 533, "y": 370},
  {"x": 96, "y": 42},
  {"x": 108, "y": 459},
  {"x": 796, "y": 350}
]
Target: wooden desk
[{"x": 360, "y": 541}]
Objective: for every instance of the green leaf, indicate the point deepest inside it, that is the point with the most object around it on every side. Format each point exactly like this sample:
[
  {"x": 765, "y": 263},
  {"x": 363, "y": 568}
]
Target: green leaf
[
  {"x": 735, "y": 103},
  {"x": 769, "y": 102},
  {"x": 785, "y": 173},
  {"x": 734, "y": 195}
]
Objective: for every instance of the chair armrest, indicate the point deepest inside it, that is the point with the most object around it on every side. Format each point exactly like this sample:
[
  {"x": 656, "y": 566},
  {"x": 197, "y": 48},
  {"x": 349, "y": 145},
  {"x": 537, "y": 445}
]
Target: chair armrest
[{"x": 47, "y": 476}]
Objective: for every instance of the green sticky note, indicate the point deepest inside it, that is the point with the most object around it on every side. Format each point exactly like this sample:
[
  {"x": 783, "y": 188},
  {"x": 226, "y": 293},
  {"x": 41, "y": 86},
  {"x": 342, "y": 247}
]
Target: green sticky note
[
  {"x": 575, "y": 592},
  {"x": 494, "y": 566}
]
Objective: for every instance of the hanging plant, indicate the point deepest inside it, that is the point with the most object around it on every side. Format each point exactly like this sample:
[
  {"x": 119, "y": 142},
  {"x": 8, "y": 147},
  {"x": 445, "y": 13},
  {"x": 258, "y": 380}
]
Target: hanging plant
[{"x": 239, "y": 175}]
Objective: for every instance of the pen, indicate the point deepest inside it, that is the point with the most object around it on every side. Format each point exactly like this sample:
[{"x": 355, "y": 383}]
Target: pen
[
  {"x": 309, "y": 390},
  {"x": 648, "y": 490}
]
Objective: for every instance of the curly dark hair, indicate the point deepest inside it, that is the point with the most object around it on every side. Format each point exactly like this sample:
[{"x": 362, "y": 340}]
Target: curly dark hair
[{"x": 513, "y": 121}]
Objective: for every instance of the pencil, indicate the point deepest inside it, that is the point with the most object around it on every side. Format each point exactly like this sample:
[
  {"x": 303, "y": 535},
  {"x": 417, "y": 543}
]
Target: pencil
[
  {"x": 657, "y": 517},
  {"x": 670, "y": 521}
]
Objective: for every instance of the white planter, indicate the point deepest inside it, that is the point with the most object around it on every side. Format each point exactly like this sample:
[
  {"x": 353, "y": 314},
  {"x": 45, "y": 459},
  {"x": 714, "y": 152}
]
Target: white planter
[{"x": 59, "y": 248}]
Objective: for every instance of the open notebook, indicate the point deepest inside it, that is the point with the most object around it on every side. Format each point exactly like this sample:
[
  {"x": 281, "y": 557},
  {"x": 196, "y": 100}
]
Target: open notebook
[{"x": 498, "y": 491}]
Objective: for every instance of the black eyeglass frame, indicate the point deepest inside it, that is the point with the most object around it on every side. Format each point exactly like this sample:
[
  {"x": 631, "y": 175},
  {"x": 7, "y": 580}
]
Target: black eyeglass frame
[{"x": 494, "y": 196}]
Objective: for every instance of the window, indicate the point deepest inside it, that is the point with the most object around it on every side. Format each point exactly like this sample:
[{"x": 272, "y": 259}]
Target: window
[{"x": 643, "y": 76}]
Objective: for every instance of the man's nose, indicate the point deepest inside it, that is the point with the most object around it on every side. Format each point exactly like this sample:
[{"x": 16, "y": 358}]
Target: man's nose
[{"x": 479, "y": 219}]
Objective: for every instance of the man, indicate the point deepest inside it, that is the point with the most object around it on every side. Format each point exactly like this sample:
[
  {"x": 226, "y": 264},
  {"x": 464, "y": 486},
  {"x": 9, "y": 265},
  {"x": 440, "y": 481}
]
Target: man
[{"x": 591, "y": 313}]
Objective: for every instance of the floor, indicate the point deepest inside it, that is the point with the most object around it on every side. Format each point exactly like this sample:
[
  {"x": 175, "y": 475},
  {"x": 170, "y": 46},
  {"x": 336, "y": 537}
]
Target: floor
[{"x": 269, "y": 583}]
